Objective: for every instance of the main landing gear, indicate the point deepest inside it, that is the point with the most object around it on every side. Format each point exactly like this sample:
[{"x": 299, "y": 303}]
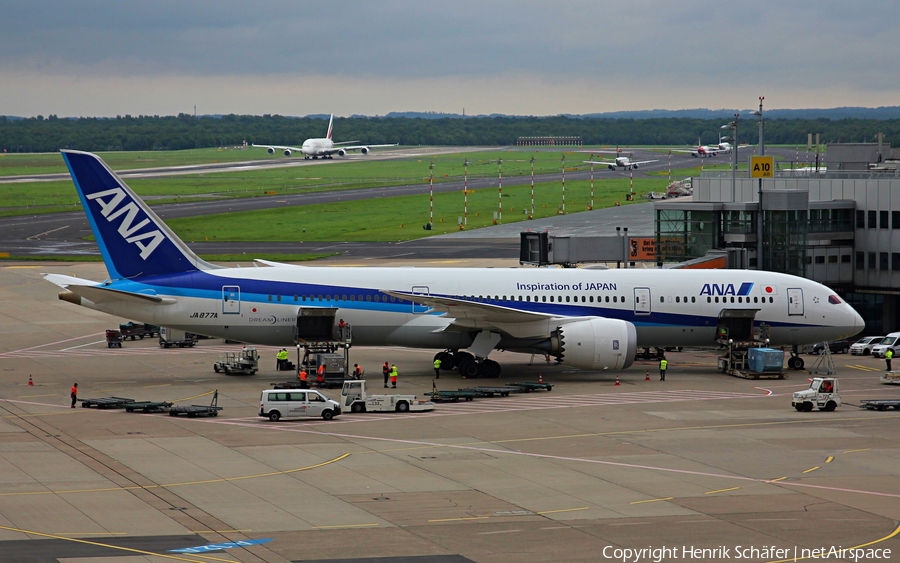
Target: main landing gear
[{"x": 468, "y": 365}]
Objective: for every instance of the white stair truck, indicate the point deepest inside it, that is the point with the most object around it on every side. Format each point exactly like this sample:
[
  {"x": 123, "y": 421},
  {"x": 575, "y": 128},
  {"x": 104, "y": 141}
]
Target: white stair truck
[
  {"x": 355, "y": 399},
  {"x": 822, "y": 394}
]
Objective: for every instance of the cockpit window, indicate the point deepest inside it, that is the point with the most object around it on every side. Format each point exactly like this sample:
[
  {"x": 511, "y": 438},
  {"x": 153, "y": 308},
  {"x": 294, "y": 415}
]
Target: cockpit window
[{"x": 834, "y": 300}]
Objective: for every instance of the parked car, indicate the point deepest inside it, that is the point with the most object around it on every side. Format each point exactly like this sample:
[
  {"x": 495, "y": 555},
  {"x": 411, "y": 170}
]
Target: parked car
[
  {"x": 890, "y": 341},
  {"x": 863, "y": 346},
  {"x": 836, "y": 347}
]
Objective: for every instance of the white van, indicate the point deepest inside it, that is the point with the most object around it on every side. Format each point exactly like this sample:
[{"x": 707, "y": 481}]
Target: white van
[
  {"x": 890, "y": 341},
  {"x": 277, "y": 403}
]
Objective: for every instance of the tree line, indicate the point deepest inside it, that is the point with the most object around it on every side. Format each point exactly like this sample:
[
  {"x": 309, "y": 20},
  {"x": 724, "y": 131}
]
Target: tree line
[{"x": 124, "y": 133}]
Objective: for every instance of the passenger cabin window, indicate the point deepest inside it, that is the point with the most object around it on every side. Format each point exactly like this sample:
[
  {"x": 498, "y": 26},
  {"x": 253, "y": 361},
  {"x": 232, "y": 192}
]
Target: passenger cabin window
[{"x": 270, "y": 298}]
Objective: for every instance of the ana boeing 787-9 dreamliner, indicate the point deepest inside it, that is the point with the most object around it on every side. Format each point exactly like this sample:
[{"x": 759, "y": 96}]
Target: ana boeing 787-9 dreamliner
[{"x": 589, "y": 319}]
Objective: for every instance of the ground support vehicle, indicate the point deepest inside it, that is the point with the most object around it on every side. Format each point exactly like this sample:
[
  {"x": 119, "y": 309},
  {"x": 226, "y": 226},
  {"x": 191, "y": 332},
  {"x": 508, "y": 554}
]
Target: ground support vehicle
[
  {"x": 863, "y": 347},
  {"x": 212, "y": 409},
  {"x": 276, "y": 404},
  {"x": 169, "y": 337},
  {"x": 529, "y": 386},
  {"x": 131, "y": 330},
  {"x": 822, "y": 394},
  {"x": 452, "y": 396},
  {"x": 355, "y": 398},
  {"x": 889, "y": 341},
  {"x": 891, "y": 377},
  {"x": 836, "y": 347},
  {"x": 113, "y": 339},
  {"x": 106, "y": 402},
  {"x": 879, "y": 404},
  {"x": 148, "y": 406},
  {"x": 486, "y": 391},
  {"x": 243, "y": 362},
  {"x": 756, "y": 363}
]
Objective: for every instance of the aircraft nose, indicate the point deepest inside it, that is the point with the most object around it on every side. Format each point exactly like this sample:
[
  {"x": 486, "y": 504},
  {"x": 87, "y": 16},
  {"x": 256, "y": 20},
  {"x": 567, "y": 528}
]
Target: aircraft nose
[{"x": 858, "y": 323}]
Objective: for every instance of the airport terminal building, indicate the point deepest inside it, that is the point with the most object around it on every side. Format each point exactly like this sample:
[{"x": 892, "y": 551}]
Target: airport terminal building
[{"x": 838, "y": 225}]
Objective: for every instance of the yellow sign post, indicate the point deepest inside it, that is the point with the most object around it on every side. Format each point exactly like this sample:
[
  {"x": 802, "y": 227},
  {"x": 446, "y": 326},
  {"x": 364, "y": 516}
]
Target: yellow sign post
[{"x": 762, "y": 167}]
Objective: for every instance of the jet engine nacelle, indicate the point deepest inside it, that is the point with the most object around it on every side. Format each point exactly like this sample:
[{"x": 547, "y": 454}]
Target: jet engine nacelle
[
  {"x": 635, "y": 166},
  {"x": 611, "y": 167},
  {"x": 364, "y": 150},
  {"x": 597, "y": 344},
  {"x": 287, "y": 152},
  {"x": 342, "y": 152},
  {"x": 270, "y": 150}
]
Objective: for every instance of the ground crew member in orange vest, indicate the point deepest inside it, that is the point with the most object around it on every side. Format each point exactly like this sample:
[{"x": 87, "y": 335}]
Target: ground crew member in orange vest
[
  {"x": 74, "y": 394},
  {"x": 320, "y": 375},
  {"x": 304, "y": 381},
  {"x": 357, "y": 371},
  {"x": 393, "y": 376},
  {"x": 386, "y": 370}
]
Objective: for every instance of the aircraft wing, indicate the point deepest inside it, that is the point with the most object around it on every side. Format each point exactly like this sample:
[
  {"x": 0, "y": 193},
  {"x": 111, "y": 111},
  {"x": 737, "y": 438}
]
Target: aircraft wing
[
  {"x": 276, "y": 147},
  {"x": 599, "y": 161},
  {"x": 642, "y": 162},
  {"x": 472, "y": 310},
  {"x": 358, "y": 147}
]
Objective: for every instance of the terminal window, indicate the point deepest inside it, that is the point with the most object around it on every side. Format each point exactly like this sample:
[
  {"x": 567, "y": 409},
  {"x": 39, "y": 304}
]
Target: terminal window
[
  {"x": 872, "y": 217},
  {"x": 895, "y": 219},
  {"x": 860, "y": 260},
  {"x": 895, "y": 261},
  {"x": 860, "y": 219},
  {"x": 883, "y": 219},
  {"x": 871, "y": 260},
  {"x": 883, "y": 260}
]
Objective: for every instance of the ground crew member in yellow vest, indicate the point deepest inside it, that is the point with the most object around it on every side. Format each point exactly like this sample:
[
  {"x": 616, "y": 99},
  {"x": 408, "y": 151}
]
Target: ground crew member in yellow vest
[
  {"x": 304, "y": 379},
  {"x": 437, "y": 368},
  {"x": 394, "y": 376},
  {"x": 281, "y": 359},
  {"x": 663, "y": 364},
  {"x": 888, "y": 354}
]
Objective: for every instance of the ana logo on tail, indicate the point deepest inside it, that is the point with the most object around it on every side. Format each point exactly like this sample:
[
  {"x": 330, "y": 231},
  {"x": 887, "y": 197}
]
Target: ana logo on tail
[{"x": 111, "y": 209}]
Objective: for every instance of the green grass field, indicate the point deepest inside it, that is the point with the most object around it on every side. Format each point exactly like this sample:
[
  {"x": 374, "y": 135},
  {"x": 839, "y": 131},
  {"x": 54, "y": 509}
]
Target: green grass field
[
  {"x": 402, "y": 218},
  {"x": 52, "y": 197}
]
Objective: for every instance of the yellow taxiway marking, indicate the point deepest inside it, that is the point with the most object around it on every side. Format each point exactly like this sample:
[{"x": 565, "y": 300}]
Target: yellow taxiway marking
[
  {"x": 721, "y": 491},
  {"x": 457, "y": 519},
  {"x": 194, "y": 397},
  {"x": 651, "y": 500},
  {"x": 88, "y": 542},
  {"x": 33, "y": 396},
  {"x": 563, "y": 510},
  {"x": 828, "y": 460},
  {"x": 863, "y": 368},
  {"x": 844, "y": 551},
  {"x": 218, "y": 531},
  {"x": 776, "y": 480},
  {"x": 23, "y": 267},
  {"x": 854, "y": 451},
  {"x": 345, "y": 526},
  {"x": 811, "y": 469},
  {"x": 187, "y": 483},
  {"x": 91, "y": 533},
  {"x": 161, "y": 385}
]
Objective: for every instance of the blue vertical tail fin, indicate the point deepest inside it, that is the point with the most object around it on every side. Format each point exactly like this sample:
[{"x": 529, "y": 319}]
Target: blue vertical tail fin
[{"x": 134, "y": 242}]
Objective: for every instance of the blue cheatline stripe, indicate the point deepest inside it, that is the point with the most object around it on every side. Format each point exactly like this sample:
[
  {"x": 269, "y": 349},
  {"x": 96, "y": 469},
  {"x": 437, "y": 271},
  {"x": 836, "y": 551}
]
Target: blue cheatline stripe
[{"x": 202, "y": 285}]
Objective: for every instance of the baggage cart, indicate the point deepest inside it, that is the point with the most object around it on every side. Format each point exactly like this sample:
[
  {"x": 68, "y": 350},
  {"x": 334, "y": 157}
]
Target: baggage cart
[
  {"x": 106, "y": 402},
  {"x": 212, "y": 409},
  {"x": 113, "y": 339},
  {"x": 452, "y": 396},
  {"x": 148, "y": 406},
  {"x": 879, "y": 404},
  {"x": 488, "y": 391},
  {"x": 529, "y": 386}
]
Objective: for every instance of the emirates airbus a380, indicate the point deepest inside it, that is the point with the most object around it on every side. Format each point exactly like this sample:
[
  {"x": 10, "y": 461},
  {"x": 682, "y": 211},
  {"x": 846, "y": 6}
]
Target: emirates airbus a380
[
  {"x": 589, "y": 319},
  {"x": 324, "y": 147}
]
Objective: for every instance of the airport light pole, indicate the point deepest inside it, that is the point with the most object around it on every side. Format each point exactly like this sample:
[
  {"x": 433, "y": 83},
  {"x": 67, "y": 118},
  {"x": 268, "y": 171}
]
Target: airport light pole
[
  {"x": 564, "y": 184},
  {"x": 466, "y": 192},
  {"x": 431, "y": 194},
  {"x": 759, "y": 197},
  {"x": 733, "y": 126},
  {"x": 532, "y": 188},
  {"x": 591, "y": 206},
  {"x": 500, "y": 189}
]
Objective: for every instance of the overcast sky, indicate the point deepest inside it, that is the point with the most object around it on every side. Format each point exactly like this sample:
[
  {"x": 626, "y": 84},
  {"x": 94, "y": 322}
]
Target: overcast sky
[{"x": 106, "y": 58}]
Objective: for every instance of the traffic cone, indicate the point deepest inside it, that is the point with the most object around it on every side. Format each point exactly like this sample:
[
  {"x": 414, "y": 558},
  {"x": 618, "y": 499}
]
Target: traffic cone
[
  {"x": 617, "y": 379},
  {"x": 647, "y": 378},
  {"x": 30, "y": 381},
  {"x": 540, "y": 378}
]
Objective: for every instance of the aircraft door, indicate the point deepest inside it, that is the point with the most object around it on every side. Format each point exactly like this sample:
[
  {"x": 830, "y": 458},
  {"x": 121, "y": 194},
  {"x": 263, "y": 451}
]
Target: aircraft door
[
  {"x": 795, "y": 301},
  {"x": 231, "y": 299},
  {"x": 642, "y": 301},
  {"x": 420, "y": 290}
]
